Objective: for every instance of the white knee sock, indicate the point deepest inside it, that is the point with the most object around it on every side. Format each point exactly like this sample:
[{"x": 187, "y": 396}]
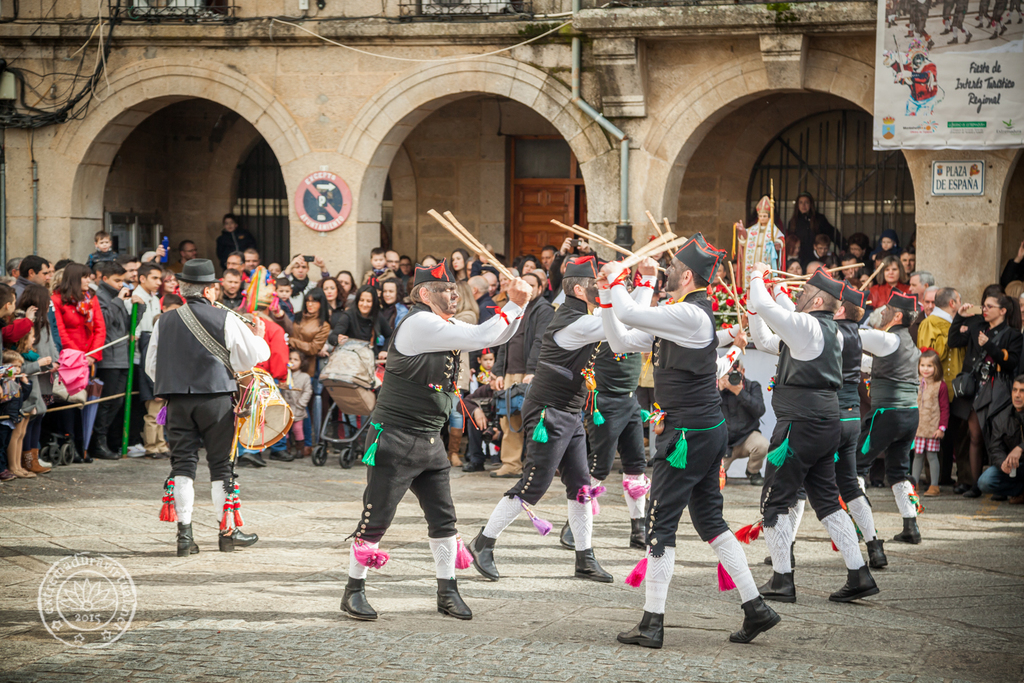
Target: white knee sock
[
  {"x": 730, "y": 554},
  {"x": 444, "y": 550},
  {"x": 860, "y": 483},
  {"x": 637, "y": 506},
  {"x": 505, "y": 512},
  {"x": 356, "y": 570},
  {"x": 796, "y": 514},
  {"x": 779, "y": 538},
  {"x": 581, "y": 521},
  {"x": 860, "y": 509},
  {"x": 595, "y": 482},
  {"x": 902, "y": 491},
  {"x": 659, "y": 576},
  {"x": 218, "y": 496},
  {"x": 840, "y": 528},
  {"x": 184, "y": 499}
]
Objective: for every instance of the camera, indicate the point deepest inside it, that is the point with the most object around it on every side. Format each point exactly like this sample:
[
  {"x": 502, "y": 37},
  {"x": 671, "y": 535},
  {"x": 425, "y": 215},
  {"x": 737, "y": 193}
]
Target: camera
[
  {"x": 309, "y": 259},
  {"x": 575, "y": 242},
  {"x": 735, "y": 378}
]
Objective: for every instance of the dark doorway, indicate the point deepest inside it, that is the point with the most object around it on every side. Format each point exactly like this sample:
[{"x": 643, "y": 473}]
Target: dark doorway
[{"x": 262, "y": 203}]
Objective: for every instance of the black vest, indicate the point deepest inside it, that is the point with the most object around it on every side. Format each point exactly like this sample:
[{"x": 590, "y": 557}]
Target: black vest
[
  {"x": 806, "y": 390},
  {"x": 617, "y": 373},
  {"x": 418, "y": 393},
  {"x": 558, "y": 381},
  {"x": 685, "y": 380},
  {"x": 849, "y": 396},
  {"x": 894, "y": 379},
  {"x": 183, "y": 365}
]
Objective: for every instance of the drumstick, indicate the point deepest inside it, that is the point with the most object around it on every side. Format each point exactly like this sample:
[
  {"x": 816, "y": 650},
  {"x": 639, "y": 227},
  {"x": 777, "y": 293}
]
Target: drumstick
[
  {"x": 657, "y": 228},
  {"x": 878, "y": 270}
]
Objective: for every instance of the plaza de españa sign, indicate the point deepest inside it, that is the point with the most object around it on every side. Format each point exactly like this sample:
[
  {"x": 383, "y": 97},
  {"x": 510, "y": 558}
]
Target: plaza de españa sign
[
  {"x": 952, "y": 178},
  {"x": 323, "y": 201}
]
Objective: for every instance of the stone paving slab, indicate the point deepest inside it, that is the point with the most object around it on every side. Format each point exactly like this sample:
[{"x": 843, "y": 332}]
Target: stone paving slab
[{"x": 951, "y": 609}]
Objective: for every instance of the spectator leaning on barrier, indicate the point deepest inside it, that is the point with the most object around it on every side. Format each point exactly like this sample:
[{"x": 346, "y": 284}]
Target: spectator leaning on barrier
[
  {"x": 743, "y": 406},
  {"x": 112, "y": 369},
  {"x": 147, "y": 294}
]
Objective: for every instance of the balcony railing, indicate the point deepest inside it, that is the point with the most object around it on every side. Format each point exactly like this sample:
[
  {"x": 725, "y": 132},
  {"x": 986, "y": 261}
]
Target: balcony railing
[
  {"x": 453, "y": 9},
  {"x": 188, "y": 11}
]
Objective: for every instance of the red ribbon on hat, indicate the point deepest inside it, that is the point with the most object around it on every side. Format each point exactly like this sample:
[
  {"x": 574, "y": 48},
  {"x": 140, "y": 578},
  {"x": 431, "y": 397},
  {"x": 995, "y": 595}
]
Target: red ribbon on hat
[{"x": 438, "y": 271}]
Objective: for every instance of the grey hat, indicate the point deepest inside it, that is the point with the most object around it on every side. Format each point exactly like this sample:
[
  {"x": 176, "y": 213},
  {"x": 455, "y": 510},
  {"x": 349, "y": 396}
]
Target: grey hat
[{"x": 198, "y": 271}]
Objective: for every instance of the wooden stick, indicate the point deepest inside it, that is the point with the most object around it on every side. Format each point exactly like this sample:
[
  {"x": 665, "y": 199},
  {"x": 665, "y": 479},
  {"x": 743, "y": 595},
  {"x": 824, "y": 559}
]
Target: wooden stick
[
  {"x": 593, "y": 237},
  {"x": 668, "y": 226},
  {"x": 878, "y": 270},
  {"x": 735, "y": 297},
  {"x": 650, "y": 217},
  {"x": 481, "y": 249},
  {"x": 656, "y": 245},
  {"x": 471, "y": 243},
  {"x": 802, "y": 278}
]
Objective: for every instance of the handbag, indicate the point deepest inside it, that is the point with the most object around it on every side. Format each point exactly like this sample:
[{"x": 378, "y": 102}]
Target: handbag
[
  {"x": 965, "y": 385},
  {"x": 510, "y": 401}
]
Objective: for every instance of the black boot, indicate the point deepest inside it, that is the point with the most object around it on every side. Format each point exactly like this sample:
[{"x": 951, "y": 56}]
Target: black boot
[
  {"x": 758, "y": 617},
  {"x": 449, "y": 601},
  {"x": 792, "y": 556},
  {"x": 859, "y": 584},
  {"x": 637, "y": 537},
  {"x": 482, "y": 550},
  {"x": 236, "y": 539},
  {"x": 186, "y": 545},
  {"x": 876, "y": 555},
  {"x": 588, "y": 568},
  {"x": 780, "y": 588},
  {"x": 910, "y": 534},
  {"x": 354, "y": 602},
  {"x": 565, "y": 537},
  {"x": 101, "y": 450},
  {"x": 650, "y": 632}
]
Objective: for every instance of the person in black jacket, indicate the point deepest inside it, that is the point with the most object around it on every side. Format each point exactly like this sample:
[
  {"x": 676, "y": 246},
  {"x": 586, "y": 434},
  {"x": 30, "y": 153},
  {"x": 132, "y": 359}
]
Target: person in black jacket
[
  {"x": 1005, "y": 448},
  {"x": 362, "y": 320},
  {"x": 112, "y": 370},
  {"x": 993, "y": 341},
  {"x": 743, "y": 405},
  {"x": 515, "y": 364},
  {"x": 1014, "y": 269},
  {"x": 233, "y": 238}
]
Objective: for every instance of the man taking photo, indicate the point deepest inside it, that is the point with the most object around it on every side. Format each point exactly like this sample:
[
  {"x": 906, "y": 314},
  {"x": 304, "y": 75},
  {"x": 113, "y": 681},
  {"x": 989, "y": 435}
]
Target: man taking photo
[{"x": 743, "y": 405}]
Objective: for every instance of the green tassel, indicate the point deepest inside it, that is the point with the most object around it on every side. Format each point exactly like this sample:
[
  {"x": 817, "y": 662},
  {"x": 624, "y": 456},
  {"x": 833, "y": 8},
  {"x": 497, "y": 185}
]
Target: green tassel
[
  {"x": 540, "y": 432},
  {"x": 370, "y": 457},
  {"x": 645, "y": 415},
  {"x": 835, "y": 458},
  {"x": 678, "y": 456},
  {"x": 598, "y": 418},
  {"x": 867, "y": 444},
  {"x": 778, "y": 456}
]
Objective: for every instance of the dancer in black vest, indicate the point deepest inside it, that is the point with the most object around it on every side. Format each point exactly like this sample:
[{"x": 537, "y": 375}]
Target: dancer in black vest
[
  {"x": 689, "y": 456},
  {"x": 807, "y": 432},
  {"x": 894, "y": 385},
  {"x": 404, "y": 451},
  {"x": 198, "y": 387},
  {"x": 553, "y": 422}
]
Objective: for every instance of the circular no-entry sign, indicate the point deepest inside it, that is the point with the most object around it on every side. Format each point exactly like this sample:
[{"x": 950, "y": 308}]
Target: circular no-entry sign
[{"x": 323, "y": 201}]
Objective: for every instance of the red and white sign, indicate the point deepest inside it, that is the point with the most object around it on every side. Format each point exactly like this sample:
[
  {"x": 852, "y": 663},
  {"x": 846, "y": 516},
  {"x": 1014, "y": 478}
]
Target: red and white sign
[{"x": 323, "y": 201}]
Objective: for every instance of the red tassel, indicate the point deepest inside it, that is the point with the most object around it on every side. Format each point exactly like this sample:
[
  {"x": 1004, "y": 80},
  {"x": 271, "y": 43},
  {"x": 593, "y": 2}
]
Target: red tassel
[
  {"x": 236, "y": 507},
  {"x": 636, "y": 577},
  {"x": 842, "y": 504},
  {"x": 167, "y": 512},
  {"x": 225, "y": 519},
  {"x": 725, "y": 582},
  {"x": 834, "y": 548},
  {"x": 749, "y": 533}
]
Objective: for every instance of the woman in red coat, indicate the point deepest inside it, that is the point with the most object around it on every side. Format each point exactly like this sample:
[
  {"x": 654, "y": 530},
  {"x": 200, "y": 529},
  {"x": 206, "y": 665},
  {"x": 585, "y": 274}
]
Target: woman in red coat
[
  {"x": 892, "y": 278},
  {"x": 79, "y": 319}
]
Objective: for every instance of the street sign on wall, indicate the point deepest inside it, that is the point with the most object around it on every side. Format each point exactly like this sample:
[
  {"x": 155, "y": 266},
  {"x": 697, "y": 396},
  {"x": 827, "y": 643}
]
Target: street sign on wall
[
  {"x": 958, "y": 178},
  {"x": 323, "y": 201}
]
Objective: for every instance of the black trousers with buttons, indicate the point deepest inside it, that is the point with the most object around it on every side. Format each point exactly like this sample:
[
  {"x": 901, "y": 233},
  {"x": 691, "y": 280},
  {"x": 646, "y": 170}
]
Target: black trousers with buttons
[
  {"x": 622, "y": 432},
  {"x": 407, "y": 461},
  {"x": 565, "y": 450}
]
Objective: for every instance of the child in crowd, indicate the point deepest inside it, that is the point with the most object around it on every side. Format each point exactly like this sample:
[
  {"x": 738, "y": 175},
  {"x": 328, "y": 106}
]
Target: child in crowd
[
  {"x": 378, "y": 268},
  {"x": 31, "y": 396},
  {"x": 274, "y": 269},
  {"x": 297, "y": 397},
  {"x": 933, "y": 410},
  {"x": 283, "y": 286},
  {"x": 823, "y": 251},
  {"x": 10, "y": 416},
  {"x": 170, "y": 302},
  {"x": 104, "y": 244},
  {"x": 483, "y": 376}
]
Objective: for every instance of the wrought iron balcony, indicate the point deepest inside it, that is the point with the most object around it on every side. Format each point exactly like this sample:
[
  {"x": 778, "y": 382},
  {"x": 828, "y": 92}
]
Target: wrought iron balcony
[
  {"x": 446, "y": 10},
  {"x": 188, "y": 11}
]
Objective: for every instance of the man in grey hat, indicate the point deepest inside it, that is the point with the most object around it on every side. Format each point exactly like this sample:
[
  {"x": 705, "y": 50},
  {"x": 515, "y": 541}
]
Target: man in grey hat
[{"x": 192, "y": 359}]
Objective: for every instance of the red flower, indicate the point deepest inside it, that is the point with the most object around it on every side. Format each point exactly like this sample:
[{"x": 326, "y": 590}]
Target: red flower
[
  {"x": 730, "y": 302},
  {"x": 714, "y": 304},
  {"x": 726, "y": 326}
]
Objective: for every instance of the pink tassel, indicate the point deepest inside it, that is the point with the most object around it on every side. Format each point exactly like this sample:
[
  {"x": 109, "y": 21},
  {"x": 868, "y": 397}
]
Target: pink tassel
[
  {"x": 369, "y": 555},
  {"x": 543, "y": 526},
  {"x": 636, "y": 488},
  {"x": 725, "y": 582},
  {"x": 161, "y": 416},
  {"x": 636, "y": 577},
  {"x": 462, "y": 557},
  {"x": 596, "y": 491}
]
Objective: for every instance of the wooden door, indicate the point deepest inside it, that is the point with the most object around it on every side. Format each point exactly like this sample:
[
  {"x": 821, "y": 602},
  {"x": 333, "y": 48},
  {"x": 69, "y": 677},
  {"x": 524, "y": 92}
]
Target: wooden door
[{"x": 533, "y": 208}]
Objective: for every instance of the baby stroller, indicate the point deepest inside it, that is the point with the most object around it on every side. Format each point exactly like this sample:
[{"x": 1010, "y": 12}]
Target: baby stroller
[{"x": 351, "y": 378}]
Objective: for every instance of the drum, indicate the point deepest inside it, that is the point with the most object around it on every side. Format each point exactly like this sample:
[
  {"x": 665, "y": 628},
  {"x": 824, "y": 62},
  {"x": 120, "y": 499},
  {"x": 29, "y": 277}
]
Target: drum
[{"x": 262, "y": 416}]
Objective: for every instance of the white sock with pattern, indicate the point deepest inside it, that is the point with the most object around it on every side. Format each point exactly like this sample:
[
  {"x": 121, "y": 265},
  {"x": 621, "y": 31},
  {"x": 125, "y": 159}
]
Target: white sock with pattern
[
  {"x": 840, "y": 528},
  {"x": 779, "y": 538},
  {"x": 218, "y": 497},
  {"x": 356, "y": 570},
  {"x": 860, "y": 509},
  {"x": 659, "y": 576},
  {"x": 902, "y": 490},
  {"x": 637, "y": 506},
  {"x": 505, "y": 512},
  {"x": 730, "y": 554},
  {"x": 796, "y": 514},
  {"x": 184, "y": 499},
  {"x": 444, "y": 550},
  {"x": 581, "y": 521}
]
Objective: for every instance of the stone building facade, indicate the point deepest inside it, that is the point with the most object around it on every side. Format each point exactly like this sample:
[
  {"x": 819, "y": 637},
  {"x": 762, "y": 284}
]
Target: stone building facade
[{"x": 436, "y": 112}]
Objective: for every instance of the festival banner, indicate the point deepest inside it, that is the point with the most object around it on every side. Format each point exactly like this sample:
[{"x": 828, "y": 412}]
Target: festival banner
[{"x": 949, "y": 75}]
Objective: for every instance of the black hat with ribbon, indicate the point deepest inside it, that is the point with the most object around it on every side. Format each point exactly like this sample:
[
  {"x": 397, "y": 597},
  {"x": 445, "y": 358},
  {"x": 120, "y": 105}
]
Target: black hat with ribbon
[
  {"x": 853, "y": 296},
  {"x": 826, "y": 283},
  {"x": 700, "y": 257},
  {"x": 903, "y": 302},
  {"x": 439, "y": 273},
  {"x": 583, "y": 267}
]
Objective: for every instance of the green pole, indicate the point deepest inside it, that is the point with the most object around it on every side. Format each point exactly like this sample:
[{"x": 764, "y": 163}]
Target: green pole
[{"x": 128, "y": 386}]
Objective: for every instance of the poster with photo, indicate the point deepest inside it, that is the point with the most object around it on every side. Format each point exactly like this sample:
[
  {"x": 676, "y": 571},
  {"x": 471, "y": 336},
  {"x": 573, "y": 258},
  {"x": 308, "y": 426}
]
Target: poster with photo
[{"x": 949, "y": 74}]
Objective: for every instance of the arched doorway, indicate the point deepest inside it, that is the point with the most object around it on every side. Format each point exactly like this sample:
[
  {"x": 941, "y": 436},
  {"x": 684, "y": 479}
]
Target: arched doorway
[
  {"x": 829, "y": 155},
  {"x": 262, "y": 202}
]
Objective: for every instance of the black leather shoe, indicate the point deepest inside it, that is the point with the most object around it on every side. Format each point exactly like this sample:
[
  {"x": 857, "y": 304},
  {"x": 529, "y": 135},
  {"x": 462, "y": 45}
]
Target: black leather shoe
[
  {"x": 565, "y": 537},
  {"x": 253, "y": 459},
  {"x": 102, "y": 451},
  {"x": 449, "y": 602},
  {"x": 637, "y": 536},
  {"x": 281, "y": 456},
  {"x": 588, "y": 568},
  {"x": 973, "y": 492},
  {"x": 758, "y": 617},
  {"x": 780, "y": 588},
  {"x": 756, "y": 479},
  {"x": 79, "y": 460},
  {"x": 792, "y": 556},
  {"x": 960, "y": 489},
  {"x": 999, "y": 498},
  {"x": 910, "y": 533},
  {"x": 354, "y": 602},
  {"x": 236, "y": 539},
  {"x": 472, "y": 466},
  {"x": 482, "y": 550},
  {"x": 876, "y": 555},
  {"x": 859, "y": 584},
  {"x": 186, "y": 545},
  {"x": 650, "y": 632}
]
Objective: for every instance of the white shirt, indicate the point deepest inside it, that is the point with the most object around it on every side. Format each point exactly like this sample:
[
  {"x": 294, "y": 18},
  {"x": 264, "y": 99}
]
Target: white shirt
[
  {"x": 431, "y": 333},
  {"x": 589, "y": 329},
  {"x": 879, "y": 343},
  {"x": 245, "y": 348},
  {"x": 774, "y": 323},
  {"x": 941, "y": 313}
]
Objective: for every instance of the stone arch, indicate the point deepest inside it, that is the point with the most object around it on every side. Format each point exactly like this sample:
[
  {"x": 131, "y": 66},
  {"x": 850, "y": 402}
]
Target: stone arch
[
  {"x": 387, "y": 119},
  {"x": 141, "y": 89}
]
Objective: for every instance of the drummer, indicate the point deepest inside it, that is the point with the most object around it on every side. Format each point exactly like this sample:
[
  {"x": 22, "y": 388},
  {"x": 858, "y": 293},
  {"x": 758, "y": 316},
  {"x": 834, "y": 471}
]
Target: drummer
[{"x": 192, "y": 357}]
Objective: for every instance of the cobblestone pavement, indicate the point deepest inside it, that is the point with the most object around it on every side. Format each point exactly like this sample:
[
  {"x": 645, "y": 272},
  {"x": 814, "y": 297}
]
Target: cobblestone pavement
[{"x": 950, "y": 609}]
